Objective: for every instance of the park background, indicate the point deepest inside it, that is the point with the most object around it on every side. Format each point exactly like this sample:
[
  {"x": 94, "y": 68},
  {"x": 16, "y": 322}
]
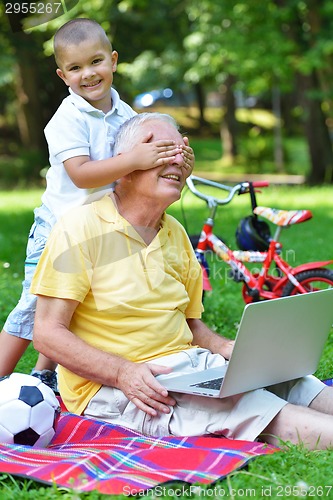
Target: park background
[
  {"x": 251, "y": 85},
  {"x": 251, "y": 81}
]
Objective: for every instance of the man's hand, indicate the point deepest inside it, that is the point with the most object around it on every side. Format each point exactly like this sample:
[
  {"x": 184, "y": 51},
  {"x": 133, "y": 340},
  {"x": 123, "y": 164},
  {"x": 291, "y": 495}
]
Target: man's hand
[
  {"x": 227, "y": 348},
  {"x": 137, "y": 381}
]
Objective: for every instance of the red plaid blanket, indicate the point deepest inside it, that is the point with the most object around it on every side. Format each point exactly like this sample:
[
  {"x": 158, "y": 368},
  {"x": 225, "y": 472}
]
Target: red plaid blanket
[{"x": 87, "y": 455}]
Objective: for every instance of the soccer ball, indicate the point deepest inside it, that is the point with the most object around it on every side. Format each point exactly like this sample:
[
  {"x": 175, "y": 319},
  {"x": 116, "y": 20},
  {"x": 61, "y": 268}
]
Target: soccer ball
[{"x": 29, "y": 411}]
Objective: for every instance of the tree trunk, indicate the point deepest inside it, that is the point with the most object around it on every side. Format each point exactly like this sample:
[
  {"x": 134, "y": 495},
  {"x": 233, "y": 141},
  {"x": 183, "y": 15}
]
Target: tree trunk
[
  {"x": 29, "y": 109},
  {"x": 201, "y": 102},
  {"x": 316, "y": 131},
  {"x": 28, "y": 95},
  {"x": 229, "y": 126},
  {"x": 278, "y": 146}
]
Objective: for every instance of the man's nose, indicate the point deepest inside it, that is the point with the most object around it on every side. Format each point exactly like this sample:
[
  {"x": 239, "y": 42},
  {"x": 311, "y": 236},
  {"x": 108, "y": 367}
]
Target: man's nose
[{"x": 179, "y": 160}]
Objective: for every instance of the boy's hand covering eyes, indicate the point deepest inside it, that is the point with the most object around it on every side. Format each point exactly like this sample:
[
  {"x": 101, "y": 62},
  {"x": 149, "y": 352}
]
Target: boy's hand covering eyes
[{"x": 188, "y": 156}]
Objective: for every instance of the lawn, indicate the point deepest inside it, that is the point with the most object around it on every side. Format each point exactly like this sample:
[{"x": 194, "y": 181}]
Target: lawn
[{"x": 289, "y": 473}]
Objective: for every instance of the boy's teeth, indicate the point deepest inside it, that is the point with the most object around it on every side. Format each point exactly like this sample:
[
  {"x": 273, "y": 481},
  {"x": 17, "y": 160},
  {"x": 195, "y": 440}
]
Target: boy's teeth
[{"x": 91, "y": 84}]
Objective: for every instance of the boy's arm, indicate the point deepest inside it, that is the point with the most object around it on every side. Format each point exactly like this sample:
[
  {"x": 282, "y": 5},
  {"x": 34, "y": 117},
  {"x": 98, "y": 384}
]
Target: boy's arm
[{"x": 87, "y": 173}]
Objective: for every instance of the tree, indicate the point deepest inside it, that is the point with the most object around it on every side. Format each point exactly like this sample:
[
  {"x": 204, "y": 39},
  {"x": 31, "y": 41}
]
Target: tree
[
  {"x": 277, "y": 46},
  {"x": 29, "y": 78},
  {"x": 266, "y": 45},
  {"x": 310, "y": 27}
]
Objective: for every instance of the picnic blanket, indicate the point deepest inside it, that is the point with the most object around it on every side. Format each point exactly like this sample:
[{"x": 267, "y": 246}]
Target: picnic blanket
[{"x": 88, "y": 454}]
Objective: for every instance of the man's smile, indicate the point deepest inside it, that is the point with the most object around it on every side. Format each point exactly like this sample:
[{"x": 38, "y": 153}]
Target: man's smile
[{"x": 173, "y": 177}]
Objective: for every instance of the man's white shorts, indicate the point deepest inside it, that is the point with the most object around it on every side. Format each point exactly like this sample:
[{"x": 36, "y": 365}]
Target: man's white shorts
[{"x": 244, "y": 416}]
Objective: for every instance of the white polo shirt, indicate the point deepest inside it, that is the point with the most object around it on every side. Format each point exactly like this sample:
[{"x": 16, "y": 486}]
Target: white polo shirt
[{"x": 79, "y": 129}]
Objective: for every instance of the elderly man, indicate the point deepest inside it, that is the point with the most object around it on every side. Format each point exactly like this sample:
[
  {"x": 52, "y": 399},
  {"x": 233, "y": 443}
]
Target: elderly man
[{"x": 119, "y": 302}]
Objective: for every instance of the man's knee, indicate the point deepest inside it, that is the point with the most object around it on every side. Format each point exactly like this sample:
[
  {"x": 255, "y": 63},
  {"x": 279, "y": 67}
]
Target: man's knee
[
  {"x": 323, "y": 402},
  {"x": 286, "y": 425},
  {"x": 298, "y": 424}
]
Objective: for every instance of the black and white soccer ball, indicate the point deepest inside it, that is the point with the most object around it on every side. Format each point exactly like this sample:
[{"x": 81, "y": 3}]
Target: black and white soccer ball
[{"x": 29, "y": 411}]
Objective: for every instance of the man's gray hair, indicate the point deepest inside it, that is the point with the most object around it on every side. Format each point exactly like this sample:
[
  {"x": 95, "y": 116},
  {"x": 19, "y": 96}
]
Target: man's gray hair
[{"x": 130, "y": 132}]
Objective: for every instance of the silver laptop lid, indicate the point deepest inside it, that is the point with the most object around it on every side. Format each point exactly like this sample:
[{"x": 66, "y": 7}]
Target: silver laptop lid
[{"x": 279, "y": 340}]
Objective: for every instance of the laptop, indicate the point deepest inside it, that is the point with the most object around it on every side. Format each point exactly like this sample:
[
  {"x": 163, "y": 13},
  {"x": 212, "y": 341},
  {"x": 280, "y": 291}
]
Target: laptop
[{"x": 277, "y": 340}]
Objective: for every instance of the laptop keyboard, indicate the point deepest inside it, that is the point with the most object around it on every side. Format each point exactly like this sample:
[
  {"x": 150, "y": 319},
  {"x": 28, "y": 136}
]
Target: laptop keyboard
[{"x": 210, "y": 384}]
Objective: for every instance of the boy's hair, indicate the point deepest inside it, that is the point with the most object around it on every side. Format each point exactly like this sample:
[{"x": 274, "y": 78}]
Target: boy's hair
[
  {"x": 130, "y": 133},
  {"x": 77, "y": 31}
]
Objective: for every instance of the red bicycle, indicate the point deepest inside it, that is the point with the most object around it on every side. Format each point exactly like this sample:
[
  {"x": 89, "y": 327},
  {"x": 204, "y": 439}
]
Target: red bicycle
[{"x": 275, "y": 277}]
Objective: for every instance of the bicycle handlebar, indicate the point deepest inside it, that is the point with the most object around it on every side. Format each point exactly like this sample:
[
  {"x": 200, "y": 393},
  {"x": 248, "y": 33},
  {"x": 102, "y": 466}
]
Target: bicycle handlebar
[
  {"x": 259, "y": 184},
  {"x": 240, "y": 188}
]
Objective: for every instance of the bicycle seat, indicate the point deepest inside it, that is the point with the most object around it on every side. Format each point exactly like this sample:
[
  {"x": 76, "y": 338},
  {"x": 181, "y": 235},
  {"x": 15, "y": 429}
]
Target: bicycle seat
[{"x": 283, "y": 217}]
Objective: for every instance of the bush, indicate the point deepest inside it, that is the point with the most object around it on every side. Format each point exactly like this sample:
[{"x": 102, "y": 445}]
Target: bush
[{"x": 21, "y": 170}]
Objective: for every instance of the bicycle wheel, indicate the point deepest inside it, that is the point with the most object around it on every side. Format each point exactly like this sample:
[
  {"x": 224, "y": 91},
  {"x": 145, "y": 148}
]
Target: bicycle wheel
[
  {"x": 269, "y": 285},
  {"x": 312, "y": 280}
]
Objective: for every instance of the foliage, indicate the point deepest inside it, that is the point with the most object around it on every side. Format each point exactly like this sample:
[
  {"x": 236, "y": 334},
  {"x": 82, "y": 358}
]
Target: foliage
[
  {"x": 223, "y": 41},
  {"x": 256, "y": 41},
  {"x": 265, "y": 46}
]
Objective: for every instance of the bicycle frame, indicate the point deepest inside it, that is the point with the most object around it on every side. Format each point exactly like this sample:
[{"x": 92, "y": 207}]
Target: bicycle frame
[
  {"x": 235, "y": 259},
  {"x": 255, "y": 285}
]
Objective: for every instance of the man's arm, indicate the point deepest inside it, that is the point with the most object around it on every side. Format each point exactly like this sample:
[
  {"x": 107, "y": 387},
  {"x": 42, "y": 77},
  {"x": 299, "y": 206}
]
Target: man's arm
[
  {"x": 53, "y": 338},
  {"x": 204, "y": 337}
]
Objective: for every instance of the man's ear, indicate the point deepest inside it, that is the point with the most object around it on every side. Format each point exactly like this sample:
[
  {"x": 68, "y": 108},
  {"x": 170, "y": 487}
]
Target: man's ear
[
  {"x": 62, "y": 76},
  {"x": 126, "y": 177}
]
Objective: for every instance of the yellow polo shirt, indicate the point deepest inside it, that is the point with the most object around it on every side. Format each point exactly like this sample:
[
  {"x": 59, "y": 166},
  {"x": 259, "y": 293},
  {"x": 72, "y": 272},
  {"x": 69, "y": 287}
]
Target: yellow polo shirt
[{"x": 134, "y": 298}]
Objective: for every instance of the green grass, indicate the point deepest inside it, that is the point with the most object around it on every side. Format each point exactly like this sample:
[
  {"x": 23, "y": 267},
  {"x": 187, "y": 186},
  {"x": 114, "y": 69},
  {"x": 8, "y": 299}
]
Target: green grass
[
  {"x": 16, "y": 217},
  {"x": 283, "y": 475}
]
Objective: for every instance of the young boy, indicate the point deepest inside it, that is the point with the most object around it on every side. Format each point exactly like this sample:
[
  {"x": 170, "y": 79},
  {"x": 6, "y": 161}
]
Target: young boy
[{"x": 80, "y": 138}]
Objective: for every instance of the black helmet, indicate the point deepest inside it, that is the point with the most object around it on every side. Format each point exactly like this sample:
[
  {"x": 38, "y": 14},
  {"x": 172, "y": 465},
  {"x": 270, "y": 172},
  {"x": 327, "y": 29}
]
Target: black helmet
[{"x": 253, "y": 234}]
